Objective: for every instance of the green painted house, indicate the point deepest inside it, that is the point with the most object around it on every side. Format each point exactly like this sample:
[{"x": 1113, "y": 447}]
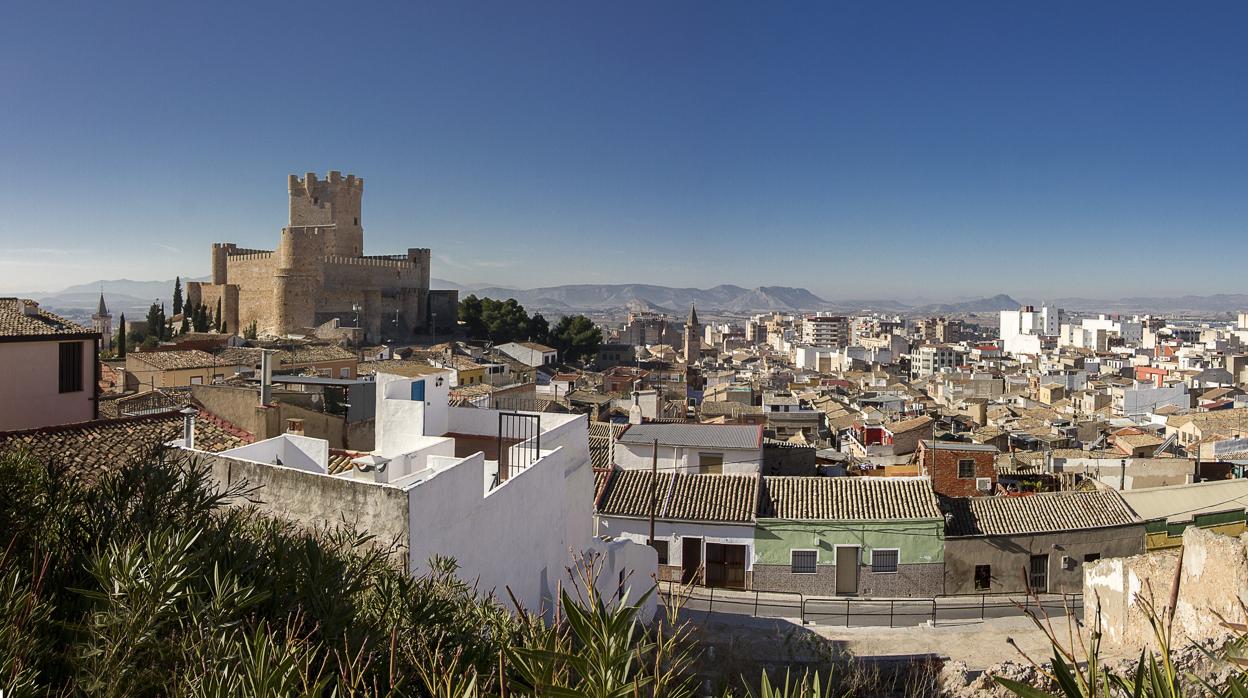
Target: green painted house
[{"x": 850, "y": 536}]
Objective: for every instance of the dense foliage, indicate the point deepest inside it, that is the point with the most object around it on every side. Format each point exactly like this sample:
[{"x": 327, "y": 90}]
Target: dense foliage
[
  {"x": 576, "y": 337},
  {"x": 141, "y": 581}
]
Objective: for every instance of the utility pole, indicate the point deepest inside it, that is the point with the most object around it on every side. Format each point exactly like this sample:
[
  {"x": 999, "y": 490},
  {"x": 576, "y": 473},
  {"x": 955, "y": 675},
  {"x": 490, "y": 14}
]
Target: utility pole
[{"x": 654, "y": 484}]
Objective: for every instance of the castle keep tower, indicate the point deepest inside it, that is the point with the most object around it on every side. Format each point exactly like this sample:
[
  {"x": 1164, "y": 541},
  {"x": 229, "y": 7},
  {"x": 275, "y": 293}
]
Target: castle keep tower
[
  {"x": 318, "y": 280},
  {"x": 333, "y": 201}
]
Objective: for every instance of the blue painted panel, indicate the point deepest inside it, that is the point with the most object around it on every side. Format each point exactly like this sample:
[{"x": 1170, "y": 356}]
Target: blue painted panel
[{"x": 418, "y": 391}]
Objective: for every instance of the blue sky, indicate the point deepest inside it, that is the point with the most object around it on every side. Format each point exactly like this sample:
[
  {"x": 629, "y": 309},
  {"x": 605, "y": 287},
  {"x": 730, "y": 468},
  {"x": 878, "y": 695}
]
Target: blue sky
[{"x": 859, "y": 150}]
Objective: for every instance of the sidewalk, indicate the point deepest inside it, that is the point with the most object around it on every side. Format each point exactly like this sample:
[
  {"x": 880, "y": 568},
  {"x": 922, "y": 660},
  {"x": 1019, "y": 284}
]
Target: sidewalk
[{"x": 873, "y": 612}]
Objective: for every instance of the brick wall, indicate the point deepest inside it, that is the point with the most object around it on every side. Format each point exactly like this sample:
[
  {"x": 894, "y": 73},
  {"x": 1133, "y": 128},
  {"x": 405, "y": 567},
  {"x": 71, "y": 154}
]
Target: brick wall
[{"x": 942, "y": 467}]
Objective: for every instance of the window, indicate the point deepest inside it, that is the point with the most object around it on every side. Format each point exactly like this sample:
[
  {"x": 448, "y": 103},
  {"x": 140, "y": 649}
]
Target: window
[
  {"x": 884, "y": 560},
  {"x": 983, "y": 577},
  {"x": 1091, "y": 557},
  {"x": 803, "y": 561},
  {"x": 325, "y": 372},
  {"x": 660, "y": 546},
  {"x": 344, "y": 373},
  {"x": 70, "y": 378},
  {"x": 966, "y": 468},
  {"x": 1038, "y": 573},
  {"x": 197, "y": 380},
  {"x": 711, "y": 463}
]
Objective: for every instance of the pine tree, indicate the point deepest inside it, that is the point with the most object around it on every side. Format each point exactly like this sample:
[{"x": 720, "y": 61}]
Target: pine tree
[
  {"x": 121, "y": 337},
  {"x": 177, "y": 295},
  {"x": 154, "y": 321}
]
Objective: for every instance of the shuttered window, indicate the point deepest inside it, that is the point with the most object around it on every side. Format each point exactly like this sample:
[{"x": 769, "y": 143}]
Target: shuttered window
[{"x": 70, "y": 378}]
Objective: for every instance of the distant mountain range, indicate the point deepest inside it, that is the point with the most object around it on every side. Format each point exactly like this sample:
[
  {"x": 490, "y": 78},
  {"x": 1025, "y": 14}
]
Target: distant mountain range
[
  {"x": 726, "y": 297},
  {"x": 133, "y": 297}
]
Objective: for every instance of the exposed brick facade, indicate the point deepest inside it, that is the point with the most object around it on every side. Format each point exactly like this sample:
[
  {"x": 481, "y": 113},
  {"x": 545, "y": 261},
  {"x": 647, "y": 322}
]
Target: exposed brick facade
[{"x": 941, "y": 464}]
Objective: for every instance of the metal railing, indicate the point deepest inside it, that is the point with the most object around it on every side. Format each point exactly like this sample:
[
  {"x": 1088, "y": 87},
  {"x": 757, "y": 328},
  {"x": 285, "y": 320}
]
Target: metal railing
[{"x": 851, "y": 611}]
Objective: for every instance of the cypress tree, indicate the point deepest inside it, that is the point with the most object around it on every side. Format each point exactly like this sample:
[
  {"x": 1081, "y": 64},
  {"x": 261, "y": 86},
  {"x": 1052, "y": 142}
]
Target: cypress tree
[
  {"x": 177, "y": 295},
  {"x": 121, "y": 337}
]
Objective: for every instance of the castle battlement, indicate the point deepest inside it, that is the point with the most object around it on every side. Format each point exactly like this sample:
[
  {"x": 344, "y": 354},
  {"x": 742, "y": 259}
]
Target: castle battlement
[
  {"x": 309, "y": 185},
  {"x": 246, "y": 252},
  {"x": 399, "y": 263},
  {"x": 246, "y": 256}
]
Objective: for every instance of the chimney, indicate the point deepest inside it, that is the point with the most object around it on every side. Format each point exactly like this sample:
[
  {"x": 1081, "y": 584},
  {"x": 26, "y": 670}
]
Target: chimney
[
  {"x": 375, "y": 464},
  {"x": 294, "y": 426},
  {"x": 188, "y": 426},
  {"x": 266, "y": 377},
  {"x": 29, "y": 308}
]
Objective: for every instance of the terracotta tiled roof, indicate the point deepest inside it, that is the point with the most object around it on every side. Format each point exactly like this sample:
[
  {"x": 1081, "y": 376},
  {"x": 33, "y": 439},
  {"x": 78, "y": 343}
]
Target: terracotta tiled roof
[
  {"x": 108, "y": 443},
  {"x": 1037, "y": 513},
  {"x": 909, "y": 424},
  {"x": 847, "y": 498},
  {"x": 680, "y": 496},
  {"x": 15, "y": 323},
  {"x": 178, "y": 359},
  {"x": 315, "y": 353}
]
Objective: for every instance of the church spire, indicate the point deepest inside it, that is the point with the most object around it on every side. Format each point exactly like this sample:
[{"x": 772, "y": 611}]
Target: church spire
[
  {"x": 103, "y": 309},
  {"x": 693, "y": 315}
]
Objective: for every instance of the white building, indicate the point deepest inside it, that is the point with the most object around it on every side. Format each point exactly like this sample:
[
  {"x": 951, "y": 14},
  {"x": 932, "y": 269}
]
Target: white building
[
  {"x": 1143, "y": 398},
  {"x": 704, "y": 524},
  {"x": 1095, "y": 333},
  {"x": 692, "y": 448},
  {"x": 1022, "y": 330},
  {"x": 529, "y": 353},
  {"x": 509, "y": 496}
]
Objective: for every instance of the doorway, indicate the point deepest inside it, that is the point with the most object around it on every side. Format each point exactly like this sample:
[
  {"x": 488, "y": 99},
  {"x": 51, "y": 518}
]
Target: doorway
[
  {"x": 725, "y": 565},
  {"x": 690, "y": 559},
  {"x": 846, "y": 569}
]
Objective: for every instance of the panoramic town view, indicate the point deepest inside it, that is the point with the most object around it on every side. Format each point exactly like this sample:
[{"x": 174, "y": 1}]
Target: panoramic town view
[{"x": 672, "y": 350}]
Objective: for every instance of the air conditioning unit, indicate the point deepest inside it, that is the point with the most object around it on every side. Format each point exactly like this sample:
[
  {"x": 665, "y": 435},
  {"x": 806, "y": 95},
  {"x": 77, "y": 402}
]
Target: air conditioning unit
[{"x": 983, "y": 484}]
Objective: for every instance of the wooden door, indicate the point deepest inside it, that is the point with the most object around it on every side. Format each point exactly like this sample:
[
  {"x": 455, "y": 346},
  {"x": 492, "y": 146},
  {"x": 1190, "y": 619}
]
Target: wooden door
[
  {"x": 846, "y": 569},
  {"x": 690, "y": 559}
]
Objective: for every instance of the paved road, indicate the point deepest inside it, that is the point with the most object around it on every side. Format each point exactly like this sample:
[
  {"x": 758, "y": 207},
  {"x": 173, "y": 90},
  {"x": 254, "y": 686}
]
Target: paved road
[{"x": 873, "y": 612}]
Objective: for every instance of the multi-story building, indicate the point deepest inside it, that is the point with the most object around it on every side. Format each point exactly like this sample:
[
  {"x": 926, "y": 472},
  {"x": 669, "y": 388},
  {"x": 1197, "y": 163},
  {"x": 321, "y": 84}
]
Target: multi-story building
[
  {"x": 933, "y": 358},
  {"x": 824, "y": 330},
  {"x": 1023, "y": 330},
  {"x": 940, "y": 330}
]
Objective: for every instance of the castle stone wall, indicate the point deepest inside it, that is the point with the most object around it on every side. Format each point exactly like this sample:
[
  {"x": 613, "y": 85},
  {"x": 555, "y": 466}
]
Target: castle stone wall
[{"x": 318, "y": 271}]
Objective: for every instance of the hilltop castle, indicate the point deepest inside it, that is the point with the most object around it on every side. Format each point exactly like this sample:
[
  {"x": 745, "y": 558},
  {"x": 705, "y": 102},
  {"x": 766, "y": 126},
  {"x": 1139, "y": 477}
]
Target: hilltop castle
[{"x": 319, "y": 273}]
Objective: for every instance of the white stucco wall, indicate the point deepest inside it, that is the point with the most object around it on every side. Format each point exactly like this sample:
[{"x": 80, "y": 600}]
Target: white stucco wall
[
  {"x": 30, "y": 394},
  {"x": 638, "y": 531},
  {"x": 290, "y": 450},
  {"x": 686, "y": 459},
  {"x": 519, "y": 535}
]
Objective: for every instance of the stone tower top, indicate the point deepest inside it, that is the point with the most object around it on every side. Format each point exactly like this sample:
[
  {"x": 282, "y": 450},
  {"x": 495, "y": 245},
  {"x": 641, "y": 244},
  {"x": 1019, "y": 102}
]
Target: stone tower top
[{"x": 333, "y": 201}]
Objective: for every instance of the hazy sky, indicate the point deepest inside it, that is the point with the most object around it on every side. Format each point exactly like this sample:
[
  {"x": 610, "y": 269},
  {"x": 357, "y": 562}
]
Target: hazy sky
[{"x": 860, "y": 150}]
